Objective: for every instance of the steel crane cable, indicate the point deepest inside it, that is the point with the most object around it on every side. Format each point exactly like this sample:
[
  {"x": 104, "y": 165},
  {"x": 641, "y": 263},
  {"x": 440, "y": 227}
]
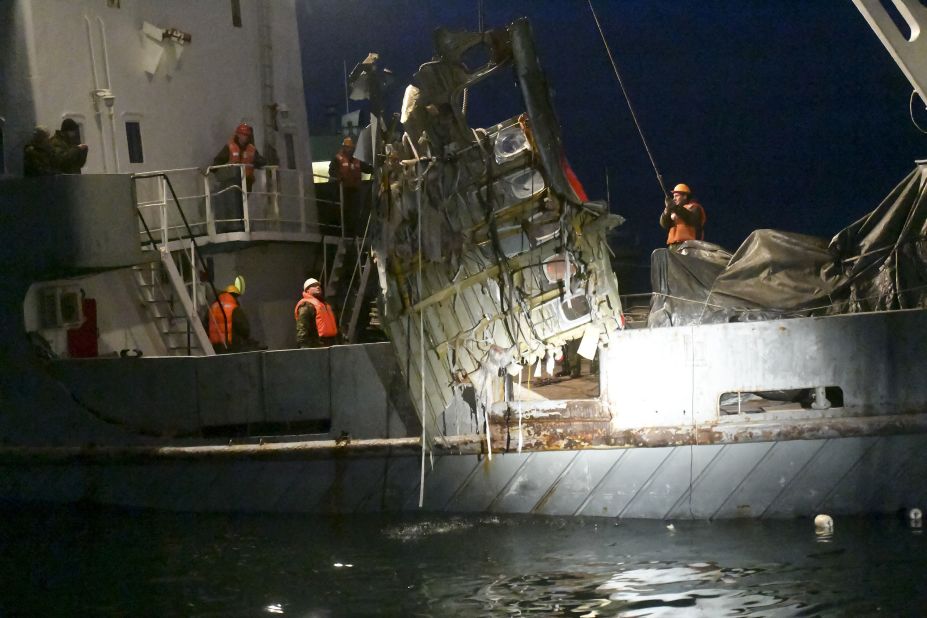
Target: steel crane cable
[{"x": 627, "y": 99}]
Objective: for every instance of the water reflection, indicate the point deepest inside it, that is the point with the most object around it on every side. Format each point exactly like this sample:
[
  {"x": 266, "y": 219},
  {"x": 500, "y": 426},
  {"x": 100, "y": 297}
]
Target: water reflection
[{"x": 66, "y": 564}]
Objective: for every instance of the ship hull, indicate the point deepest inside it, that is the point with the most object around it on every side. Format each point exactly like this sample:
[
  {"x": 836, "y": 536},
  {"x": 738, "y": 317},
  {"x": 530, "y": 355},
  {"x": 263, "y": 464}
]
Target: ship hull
[{"x": 796, "y": 478}]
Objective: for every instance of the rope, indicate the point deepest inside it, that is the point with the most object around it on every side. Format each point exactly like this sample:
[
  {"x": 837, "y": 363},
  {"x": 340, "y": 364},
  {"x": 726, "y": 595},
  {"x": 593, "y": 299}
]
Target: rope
[{"x": 627, "y": 99}]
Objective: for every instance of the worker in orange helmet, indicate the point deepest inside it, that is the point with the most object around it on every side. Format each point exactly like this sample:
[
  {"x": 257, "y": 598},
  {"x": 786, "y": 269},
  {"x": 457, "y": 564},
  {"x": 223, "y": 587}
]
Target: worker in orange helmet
[{"x": 682, "y": 217}]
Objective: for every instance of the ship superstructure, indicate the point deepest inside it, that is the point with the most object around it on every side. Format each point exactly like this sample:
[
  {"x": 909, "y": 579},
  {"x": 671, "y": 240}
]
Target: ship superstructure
[{"x": 157, "y": 89}]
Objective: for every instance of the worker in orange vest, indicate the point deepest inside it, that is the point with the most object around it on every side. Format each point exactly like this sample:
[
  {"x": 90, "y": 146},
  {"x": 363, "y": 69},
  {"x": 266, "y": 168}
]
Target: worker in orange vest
[
  {"x": 348, "y": 172},
  {"x": 227, "y": 202},
  {"x": 240, "y": 149},
  {"x": 682, "y": 217},
  {"x": 316, "y": 325},
  {"x": 229, "y": 330}
]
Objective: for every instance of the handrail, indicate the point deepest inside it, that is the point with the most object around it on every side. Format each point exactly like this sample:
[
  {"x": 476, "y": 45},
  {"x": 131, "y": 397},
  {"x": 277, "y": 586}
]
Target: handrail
[
  {"x": 356, "y": 270},
  {"x": 196, "y": 250},
  {"x": 274, "y": 189}
]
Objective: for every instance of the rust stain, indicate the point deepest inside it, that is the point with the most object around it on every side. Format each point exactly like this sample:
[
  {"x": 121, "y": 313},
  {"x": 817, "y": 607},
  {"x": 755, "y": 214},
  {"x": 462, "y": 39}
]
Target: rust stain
[{"x": 567, "y": 432}]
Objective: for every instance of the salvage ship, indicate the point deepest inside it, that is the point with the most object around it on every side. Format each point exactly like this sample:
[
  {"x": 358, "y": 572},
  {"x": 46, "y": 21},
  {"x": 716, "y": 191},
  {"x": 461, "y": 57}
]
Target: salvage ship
[{"x": 481, "y": 260}]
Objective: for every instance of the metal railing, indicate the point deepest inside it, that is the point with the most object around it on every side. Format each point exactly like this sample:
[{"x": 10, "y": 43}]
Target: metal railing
[
  {"x": 195, "y": 263},
  {"x": 216, "y": 200}
]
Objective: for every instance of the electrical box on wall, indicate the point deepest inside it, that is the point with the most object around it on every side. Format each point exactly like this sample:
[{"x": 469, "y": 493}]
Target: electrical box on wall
[{"x": 60, "y": 307}]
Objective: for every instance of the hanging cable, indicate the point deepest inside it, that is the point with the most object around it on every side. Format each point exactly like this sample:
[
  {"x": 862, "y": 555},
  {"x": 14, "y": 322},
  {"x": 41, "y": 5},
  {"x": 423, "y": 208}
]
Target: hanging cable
[
  {"x": 421, "y": 341},
  {"x": 628, "y": 100},
  {"x": 911, "y": 112}
]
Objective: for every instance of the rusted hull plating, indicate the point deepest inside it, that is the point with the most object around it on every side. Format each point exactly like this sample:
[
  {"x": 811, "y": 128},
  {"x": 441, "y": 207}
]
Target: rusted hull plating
[
  {"x": 584, "y": 425},
  {"x": 793, "y": 478}
]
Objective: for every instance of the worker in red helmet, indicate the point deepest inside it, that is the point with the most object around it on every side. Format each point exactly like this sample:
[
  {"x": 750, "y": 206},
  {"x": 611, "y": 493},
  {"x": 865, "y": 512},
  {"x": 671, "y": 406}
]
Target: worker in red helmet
[
  {"x": 682, "y": 217},
  {"x": 239, "y": 150}
]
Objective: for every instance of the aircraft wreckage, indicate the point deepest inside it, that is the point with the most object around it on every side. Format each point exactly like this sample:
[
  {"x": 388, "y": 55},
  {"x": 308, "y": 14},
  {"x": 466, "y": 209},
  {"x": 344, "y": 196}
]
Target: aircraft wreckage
[{"x": 490, "y": 256}]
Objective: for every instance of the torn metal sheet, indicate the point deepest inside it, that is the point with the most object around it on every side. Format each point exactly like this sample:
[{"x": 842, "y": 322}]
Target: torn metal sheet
[{"x": 490, "y": 257}]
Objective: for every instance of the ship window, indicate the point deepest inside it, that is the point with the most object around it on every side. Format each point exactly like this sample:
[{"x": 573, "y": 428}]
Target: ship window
[
  {"x": 60, "y": 307},
  {"x": 290, "y": 151},
  {"x": 236, "y": 13},
  {"x": 80, "y": 128},
  {"x": 740, "y": 403},
  {"x": 134, "y": 142}
]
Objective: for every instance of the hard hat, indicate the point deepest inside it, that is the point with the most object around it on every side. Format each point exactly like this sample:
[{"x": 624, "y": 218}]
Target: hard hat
[
  {"x": 310, "y": 282},
  {"x": 244, "y": 129},
  {"x": 348, "y": 142},
  {"x": 682, "y": 188},
  {"x": 232, "y": 289}
]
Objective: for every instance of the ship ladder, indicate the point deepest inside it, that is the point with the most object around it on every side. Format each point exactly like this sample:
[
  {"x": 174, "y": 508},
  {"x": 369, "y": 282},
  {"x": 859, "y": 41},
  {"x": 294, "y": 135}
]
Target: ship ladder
[
  {"x": 359, "y": 299},
  {"x": 161, "y": 289}
]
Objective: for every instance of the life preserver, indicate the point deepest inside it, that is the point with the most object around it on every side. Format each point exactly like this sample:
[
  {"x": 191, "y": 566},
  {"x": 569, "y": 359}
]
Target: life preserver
[
  {"x": 245, "y": 156},
  {"x": 349, "y": 170},
  {"x": 325, "y": 323},
  {"x": 220, "y": 319},
  {"x": 681, "y": 231}
]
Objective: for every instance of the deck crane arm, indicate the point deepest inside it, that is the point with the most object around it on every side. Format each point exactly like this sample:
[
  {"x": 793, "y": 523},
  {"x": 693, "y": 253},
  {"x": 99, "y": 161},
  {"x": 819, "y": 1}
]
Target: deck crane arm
[{"x": 909, "y": 49}]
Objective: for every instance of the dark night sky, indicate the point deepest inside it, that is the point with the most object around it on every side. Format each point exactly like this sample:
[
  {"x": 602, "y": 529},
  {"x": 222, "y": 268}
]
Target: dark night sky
[{"x": 780, "y": 115}]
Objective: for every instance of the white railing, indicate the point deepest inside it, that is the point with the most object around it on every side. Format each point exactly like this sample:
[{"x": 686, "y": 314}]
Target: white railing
[{"x": 216, "y": 200}]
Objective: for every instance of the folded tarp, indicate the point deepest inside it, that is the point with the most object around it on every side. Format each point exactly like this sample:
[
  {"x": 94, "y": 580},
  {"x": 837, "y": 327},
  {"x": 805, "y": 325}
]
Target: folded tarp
[{"x": 878, "y": 262}]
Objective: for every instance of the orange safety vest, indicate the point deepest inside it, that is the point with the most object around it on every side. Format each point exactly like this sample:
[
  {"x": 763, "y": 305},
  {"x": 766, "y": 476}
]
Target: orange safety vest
[
  {"x": 681, "y": 230},
  {"x": 325, "y": 322},
  {"x": 245, "y": 157},
  {"x": 217, "y": 324},
  {"x": 349, "y": 170}
]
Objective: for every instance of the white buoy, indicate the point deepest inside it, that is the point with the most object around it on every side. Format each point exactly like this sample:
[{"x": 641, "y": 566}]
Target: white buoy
[
  {"x": 915, "y": 518},
  {"x": 824, "y": 524}
]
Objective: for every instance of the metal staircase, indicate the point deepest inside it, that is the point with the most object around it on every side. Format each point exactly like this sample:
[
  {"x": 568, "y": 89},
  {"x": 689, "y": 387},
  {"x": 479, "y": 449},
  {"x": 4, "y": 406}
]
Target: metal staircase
[
  {"x": 357, "y": 299},
  {"x": 334, "y": 275},
  {"x": 168, "y": 300},
  {"x": 352, "y": 254},
  {"x": 169, "y": 303}
]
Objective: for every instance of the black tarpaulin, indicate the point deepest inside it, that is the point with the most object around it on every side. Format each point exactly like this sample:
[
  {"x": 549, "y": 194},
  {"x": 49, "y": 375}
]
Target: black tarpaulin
[
  {"x": 876, "y": 263},
  {"x": 681, "y": 279}
]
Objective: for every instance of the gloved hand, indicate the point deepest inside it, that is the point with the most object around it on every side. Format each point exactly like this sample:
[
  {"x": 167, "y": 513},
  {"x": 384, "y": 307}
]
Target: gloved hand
[{"x": 668, "y": 200}]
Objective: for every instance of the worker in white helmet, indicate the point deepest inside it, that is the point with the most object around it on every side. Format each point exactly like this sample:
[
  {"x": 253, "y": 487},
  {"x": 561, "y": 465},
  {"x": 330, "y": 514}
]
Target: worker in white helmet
[{"x": 316, "y": 326}]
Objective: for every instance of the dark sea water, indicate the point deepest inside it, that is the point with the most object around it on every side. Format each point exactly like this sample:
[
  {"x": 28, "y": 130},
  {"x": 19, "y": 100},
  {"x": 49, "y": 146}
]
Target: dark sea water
[{"x": 113, "y": 563}]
